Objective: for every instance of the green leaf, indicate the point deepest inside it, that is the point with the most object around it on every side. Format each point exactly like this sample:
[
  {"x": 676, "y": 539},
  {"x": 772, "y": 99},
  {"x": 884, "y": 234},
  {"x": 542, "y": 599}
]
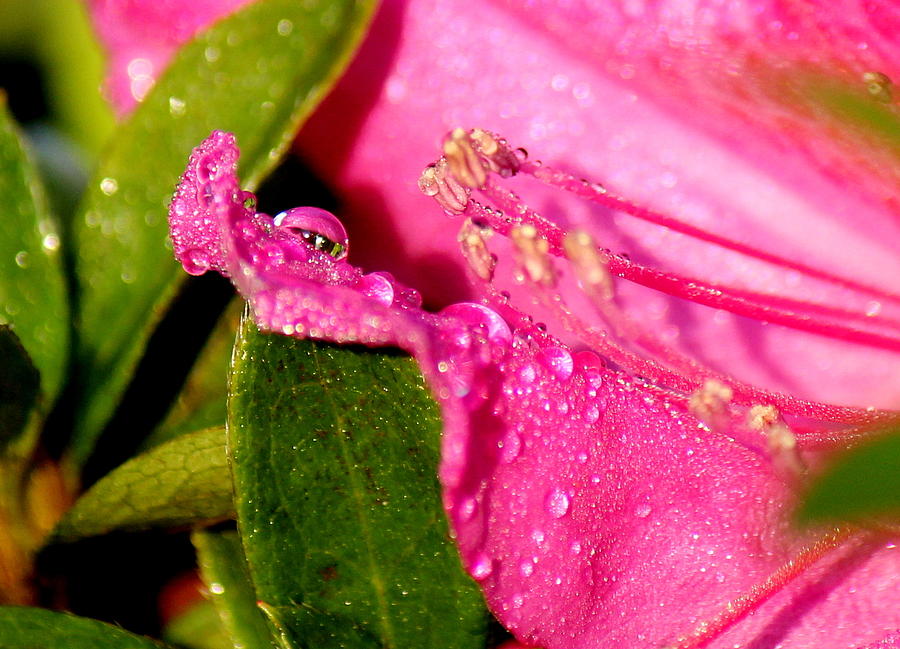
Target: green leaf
[
  {"x": 183, "y": 481},
  {"x": 860, "y": 485},
  {"x": 19, "y": 386},
  {"x": 32, "y": 287},
  {"x": 259, "y": 74},
  {"x": 37, "y": 628},
  {"x": 198, "y": 627},
  {"x": 226, "y": 575},
  {"x": 334, "y": 452}
]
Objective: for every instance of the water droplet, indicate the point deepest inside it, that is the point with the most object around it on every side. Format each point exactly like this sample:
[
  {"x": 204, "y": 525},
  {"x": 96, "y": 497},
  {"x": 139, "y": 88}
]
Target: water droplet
[
  {"x": 216, "y": 588},
  {"x": 527, "y": 568},
  {"x": 557, "y": 503},
  {"x": 22, "y": 259},
  {"x": 50, "y": 242},
  {"x": 377, "y": 286},
  {"x": 511, "y": 445},
  {"x": 109, "y": 186},
  {"x": 177, "y": 107},
  {"x": 285, "y": 27},
  {"x": 467, "y": 509},
  {"x": 316, "y": 228},
  {"x": 527, "y": 374},
  {"x": 481, "y": 317},
  {"x": 195, "y": 261},
  {"x": 873, "y": 308},
  {"x": 482, "y": 567},
  {"x": 559, "y": 361},
  {"x": 642, "y": 510}
]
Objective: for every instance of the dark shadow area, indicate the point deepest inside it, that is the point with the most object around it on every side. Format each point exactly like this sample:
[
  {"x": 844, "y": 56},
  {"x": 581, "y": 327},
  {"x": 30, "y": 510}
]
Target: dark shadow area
[
  {"x": 23, "y": 84},
  {"x": 116, "y": 578},
  {"x": 170, "y": 354}
]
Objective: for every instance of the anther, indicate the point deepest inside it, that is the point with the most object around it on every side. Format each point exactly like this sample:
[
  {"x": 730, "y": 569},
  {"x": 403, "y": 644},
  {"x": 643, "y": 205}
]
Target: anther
[
  {"x": 589, "y": 264},
  {"x": 533, "y": 254},
  {"x": 472, "y": 241},
  {"x": 709, "y": 404},
  {"x": 438, "y": 182},
  {"x": 465, "y": 163},
  {"x": 879, "y": 86},
  {"x": 781, "y": 441}
]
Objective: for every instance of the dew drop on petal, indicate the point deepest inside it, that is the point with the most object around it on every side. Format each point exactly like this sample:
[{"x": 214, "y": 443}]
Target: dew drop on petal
[
  {"x": 557, "y": 503},
  {"x": 511, "y": 447},
  {"x": 467, "y": 509},
  {"x": 481, "y": 317},
  {"x": 642, "y": 511},
  {"x": 559, "y": 361},
  {"x": 527, "y": 568},
  {"x": 317, "y": 228},
  {"x": 377, "y": 286},
  {"x": 196, "y": 261},
  {"x": 482, "y": 567}
]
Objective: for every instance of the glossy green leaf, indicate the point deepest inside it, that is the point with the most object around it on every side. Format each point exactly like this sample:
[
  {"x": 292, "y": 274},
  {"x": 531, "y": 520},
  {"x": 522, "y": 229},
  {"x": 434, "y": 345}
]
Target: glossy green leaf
[
  {"x": 862, "y": 484},
  {"x": 335, "y": 453},
  {"x": 37, "y": 628},
  {"x": 226, "y": 575},
  {"x": 183, "y": 481},
  {"x": 19, "y": 386},
  {"x": 258, "y": 74},
  {"x": 32, "y": 288}
]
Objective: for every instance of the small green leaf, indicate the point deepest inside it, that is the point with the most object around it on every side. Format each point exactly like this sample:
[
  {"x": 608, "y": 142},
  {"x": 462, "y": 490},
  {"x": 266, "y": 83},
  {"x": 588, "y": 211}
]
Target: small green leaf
[
  {"x": 32, "y": 288},
  {"x": 19, "y": 386},
  {"x": 198, "y": 627},
  {"x": 861, "y": 485},
  {"x": 37, "y": 628},
  {"x": 335, "y": 453},
  {"x": 226, "y": 575},
  {"x": 259, "y": 74},
  {"x": 183, "y": 481}
]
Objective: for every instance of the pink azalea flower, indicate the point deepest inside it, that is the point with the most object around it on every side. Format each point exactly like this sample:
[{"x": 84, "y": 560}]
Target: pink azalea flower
[
  {"x": 647, "y": 98},
  {"x": 592, "y": 506},
  {"x": 760, "y": 223}
]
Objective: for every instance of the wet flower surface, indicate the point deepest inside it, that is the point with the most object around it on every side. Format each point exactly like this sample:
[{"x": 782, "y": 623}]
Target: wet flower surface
[{"x": 593, "y": 505}]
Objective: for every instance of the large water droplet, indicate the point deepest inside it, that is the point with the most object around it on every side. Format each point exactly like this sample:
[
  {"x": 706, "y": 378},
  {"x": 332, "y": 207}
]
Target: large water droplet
[
  {"x": 317, "y": 228},
  {"x": 643, "y": 510},
  {"x": 557, "y": 503},
  {"x": 511, "y": 447}
]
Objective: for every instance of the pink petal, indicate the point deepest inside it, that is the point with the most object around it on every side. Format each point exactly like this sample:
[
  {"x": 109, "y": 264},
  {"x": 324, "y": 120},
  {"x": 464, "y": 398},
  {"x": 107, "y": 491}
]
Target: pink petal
[
  {"x": 632, "y": 123},
  {"x": 591, "y": 507},
  {"x": 141, "y": 36}
]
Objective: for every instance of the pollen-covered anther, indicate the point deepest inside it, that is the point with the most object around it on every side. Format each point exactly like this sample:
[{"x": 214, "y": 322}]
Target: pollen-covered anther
[
  {"x": 438, "y": 182},
  {"x": 879, "y": 86},
  {"x": 710, "y": 404},
  {"x": 533, "y": 255},
  {"x": 472, "y": 240},
  {"x": 781, "y": 441},
  {"x": 589, "y": 264},
  {"x": 465, "y": 163}
]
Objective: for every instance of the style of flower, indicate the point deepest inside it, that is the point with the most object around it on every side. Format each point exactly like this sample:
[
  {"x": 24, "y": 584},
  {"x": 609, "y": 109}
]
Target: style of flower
[{"x": 598, "y": 496}]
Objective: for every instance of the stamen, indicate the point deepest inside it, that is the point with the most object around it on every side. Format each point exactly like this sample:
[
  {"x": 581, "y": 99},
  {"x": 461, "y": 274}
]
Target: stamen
[
  {"x": 879, "y": 86},
  {"x": 589, "y": 264},
  {"x": 780, "y": 439},
  {"x": 533, "y": 254},
  {"x": 464, "y": 161},
  {"x": 710, "y": 404},
  {"x": 475, "y": 250},
  {"x": 438, "y": 182}
]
